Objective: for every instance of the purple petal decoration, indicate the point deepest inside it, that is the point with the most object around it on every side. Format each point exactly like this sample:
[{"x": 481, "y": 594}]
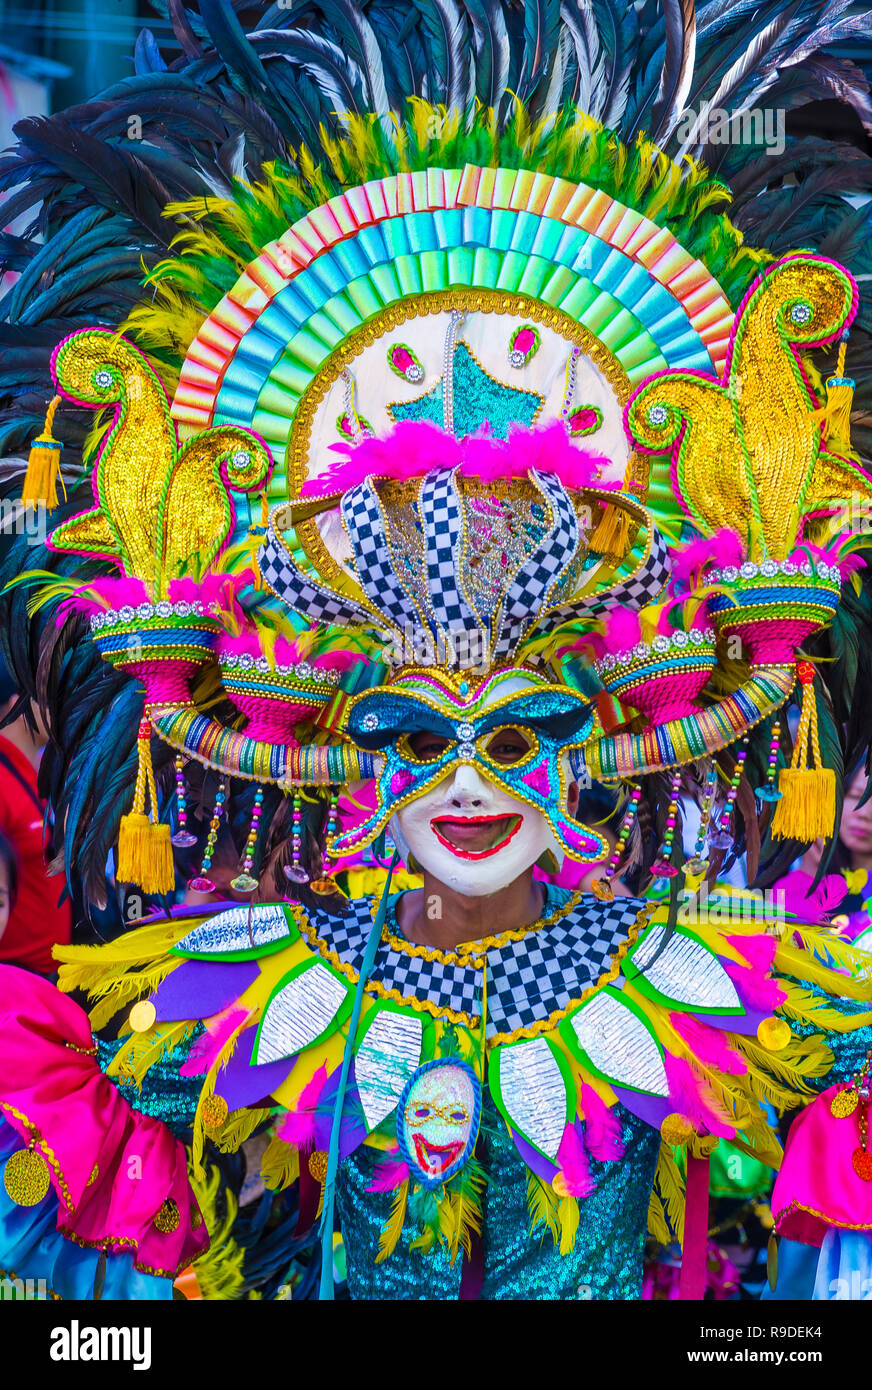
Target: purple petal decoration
[
  {"x": 352, "y": 1130},
  {"x": 746, "y": 1023},
  {"x": 201, "y": 988},
  {"x": 535, "y": 1161},
  {"x": 652, "y": 1109},
  {"x": 242, "y": 1084}
]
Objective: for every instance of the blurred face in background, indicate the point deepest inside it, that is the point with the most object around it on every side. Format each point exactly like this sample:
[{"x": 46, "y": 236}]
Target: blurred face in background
[
  {"x": 855, "y": 830},
  {"x": 5, "y": 894}
]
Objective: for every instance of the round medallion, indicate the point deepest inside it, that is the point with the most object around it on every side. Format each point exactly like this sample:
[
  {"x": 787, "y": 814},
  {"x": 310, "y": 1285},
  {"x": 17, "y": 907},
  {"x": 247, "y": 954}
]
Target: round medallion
[
  {"x": 677, "y": 1129},
  {"x": 142, "y": 1016},
  {"x": 26, "y": 1177},
  {"x": 774, "y": 1034},
  {"x": 437, "y": 1120},
  {"x": 214, "y": 1112},
  {"x": 844, "y": 1103},
  {"x": 318, "y": 1166},
  {"x": 183, "y": 839},
  {"x": 862, "y": 1162},
  {"x": 295, "y": 872},
  {"x": 167, "y": 1219}
]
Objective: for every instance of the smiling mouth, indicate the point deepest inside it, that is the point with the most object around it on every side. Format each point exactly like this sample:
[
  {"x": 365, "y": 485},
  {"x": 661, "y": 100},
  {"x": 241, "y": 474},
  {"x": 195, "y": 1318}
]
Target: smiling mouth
[
  {"x": 434, "y": 1159},
  {"x": 475, "y": 837}
]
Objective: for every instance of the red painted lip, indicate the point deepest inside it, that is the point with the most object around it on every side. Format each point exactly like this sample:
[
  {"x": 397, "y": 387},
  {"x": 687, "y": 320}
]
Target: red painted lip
[
  {"x": 435, "y": 1158},
  {"x": 465, "y": 822}
]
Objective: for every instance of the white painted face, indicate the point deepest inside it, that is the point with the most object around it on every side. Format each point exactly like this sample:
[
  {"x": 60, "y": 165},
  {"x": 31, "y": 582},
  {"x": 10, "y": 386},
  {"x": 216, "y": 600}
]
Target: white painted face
[{"x": 471, "y": 835}]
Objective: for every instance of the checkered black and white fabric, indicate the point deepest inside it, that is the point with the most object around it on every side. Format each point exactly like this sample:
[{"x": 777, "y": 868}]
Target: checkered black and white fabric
[
  {"x": 528, "y": 980},
  {"x": 365, "y": 524},
  {"x": 303, "y": 593},
  {"x": 442, "y": 519},
  {"x": 645, "y": 583},
  {"x": 530, "y": 589}
]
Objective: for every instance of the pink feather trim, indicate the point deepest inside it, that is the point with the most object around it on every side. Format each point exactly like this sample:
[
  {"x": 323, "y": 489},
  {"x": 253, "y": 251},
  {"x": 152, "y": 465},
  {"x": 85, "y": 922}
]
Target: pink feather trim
[
  {"x": 389, "y": 1174},
  {"x": 759, "y": 951},
  {"x": 692, "y": 1097},
  {"x": 623, "y": 630},
  {"x": 708, "y": 1044},
  {"x": 718, "y": 551},
  {"x": 573, "y": 1164},
  {"x": 755, "y": 990},
  {"x": 602, "y": 1128},
  {"x": 207, "y": 1047},
  {"x": 107, "y": 592},
  {"x": 417, "y": 447},
  {"x": 297, "y": 1127},
  {"x": 812, "y": 907}
]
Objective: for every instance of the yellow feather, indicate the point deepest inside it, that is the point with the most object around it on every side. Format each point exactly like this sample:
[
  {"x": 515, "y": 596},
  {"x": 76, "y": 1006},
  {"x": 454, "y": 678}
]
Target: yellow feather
[
  {"x": 280, "y": 1165},
  {"x": 392, "y": 1231},
  {"x": 671, "y": 1184},
  {"x": 657, "y": 1226},
  {"x": 802, "y": 1004},
  {"x": 567, "y": 1215}
]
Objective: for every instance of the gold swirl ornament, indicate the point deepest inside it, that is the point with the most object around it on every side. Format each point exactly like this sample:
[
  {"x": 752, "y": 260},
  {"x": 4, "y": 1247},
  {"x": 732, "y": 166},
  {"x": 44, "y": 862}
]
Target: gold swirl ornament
[
  {"x": 163, "y": 508},
  {"x": 747, "y": 449}
]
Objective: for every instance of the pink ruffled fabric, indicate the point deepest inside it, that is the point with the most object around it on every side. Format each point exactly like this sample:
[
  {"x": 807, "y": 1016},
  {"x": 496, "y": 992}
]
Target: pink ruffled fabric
[
  {"x": 817, "y": 1186},
  {"x": 50, "y": 1081}
]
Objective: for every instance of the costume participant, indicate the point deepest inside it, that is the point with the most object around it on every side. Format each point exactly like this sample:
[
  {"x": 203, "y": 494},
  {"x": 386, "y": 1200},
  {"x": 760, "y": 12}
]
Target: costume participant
[{"x": 573, "y": 492}]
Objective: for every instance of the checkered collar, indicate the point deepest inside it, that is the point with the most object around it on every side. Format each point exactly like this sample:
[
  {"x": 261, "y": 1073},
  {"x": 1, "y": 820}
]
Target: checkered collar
[{"x": 533, "y": 973}]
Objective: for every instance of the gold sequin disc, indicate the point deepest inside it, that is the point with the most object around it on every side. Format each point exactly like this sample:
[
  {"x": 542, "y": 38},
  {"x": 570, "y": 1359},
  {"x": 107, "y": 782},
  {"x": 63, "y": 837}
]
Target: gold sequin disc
[
  {"x": 844, "y": 1103},
  {"x": 142, "y": 1016},
  {"x": 167, "y": 1218},
  {"x": 862, "y": 1162},
  {"x": 677, "y": 1129},
  {"x": 26, "y": 1177},
  {"x": 318, "y": 1165},
  {"x": 215, "y": 1111},
  {"x": 774, "y": 1034}
]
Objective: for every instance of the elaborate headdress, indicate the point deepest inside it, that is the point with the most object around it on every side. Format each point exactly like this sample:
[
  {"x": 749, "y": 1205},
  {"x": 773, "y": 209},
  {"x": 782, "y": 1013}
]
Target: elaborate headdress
[{"x": 520, "y": 338}]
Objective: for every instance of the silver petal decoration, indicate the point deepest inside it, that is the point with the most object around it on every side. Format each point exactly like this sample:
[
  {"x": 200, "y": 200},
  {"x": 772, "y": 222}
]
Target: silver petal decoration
[
  {"x": 619, "y": 1045},
  {"x": 387, "y": 1057},
  {"x": 534, "y": 1093},
  {"x": 299, "y": 1013},
  {"x": 686, "y": 972},
  {"x": 229, "y": 931}
]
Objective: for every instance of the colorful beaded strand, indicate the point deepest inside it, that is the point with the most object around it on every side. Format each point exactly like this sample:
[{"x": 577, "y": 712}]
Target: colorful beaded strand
[
  {"x": 662, "y": 867},
  {"x": 202, "y": 883},
  {"x": 697, "y": 864},
  {"x": 769, "y": 791},
  {"x": 245, "y": 882},
  {"x": 295, "y": 871},
  {"x": 602, "y": 887},
  {"x": 183, "y": 838},
  {"x": 326, "y": 884},
  {"x": 722, "y": 836}
]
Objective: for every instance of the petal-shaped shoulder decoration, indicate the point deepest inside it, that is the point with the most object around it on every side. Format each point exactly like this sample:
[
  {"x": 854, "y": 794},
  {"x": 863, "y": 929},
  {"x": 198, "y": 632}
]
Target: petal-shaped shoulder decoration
[
  {"x": 611, "y": 1038},
  {"x": 387, "y": 1055},
  {"x": 685, "y": 973},
  {"x": 240, "y": 933},
  {"x": 533, "y": 1089},
  {"x": 307, "y": 1003}
]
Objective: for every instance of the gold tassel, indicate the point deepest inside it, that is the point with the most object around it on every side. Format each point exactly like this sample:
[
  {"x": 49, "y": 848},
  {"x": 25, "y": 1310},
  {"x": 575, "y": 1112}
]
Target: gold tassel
[
  {"x": 612, "y": 534},
  {"x": 145, "y": 855},
  {"x": 43, "y": 464},
  {"x": 836, "y": 414},
  {"x": 807, "y": 809}
]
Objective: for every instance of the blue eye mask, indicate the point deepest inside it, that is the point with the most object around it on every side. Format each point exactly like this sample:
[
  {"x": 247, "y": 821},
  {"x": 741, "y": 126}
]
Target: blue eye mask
[{"x": 550, "y": 718}]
